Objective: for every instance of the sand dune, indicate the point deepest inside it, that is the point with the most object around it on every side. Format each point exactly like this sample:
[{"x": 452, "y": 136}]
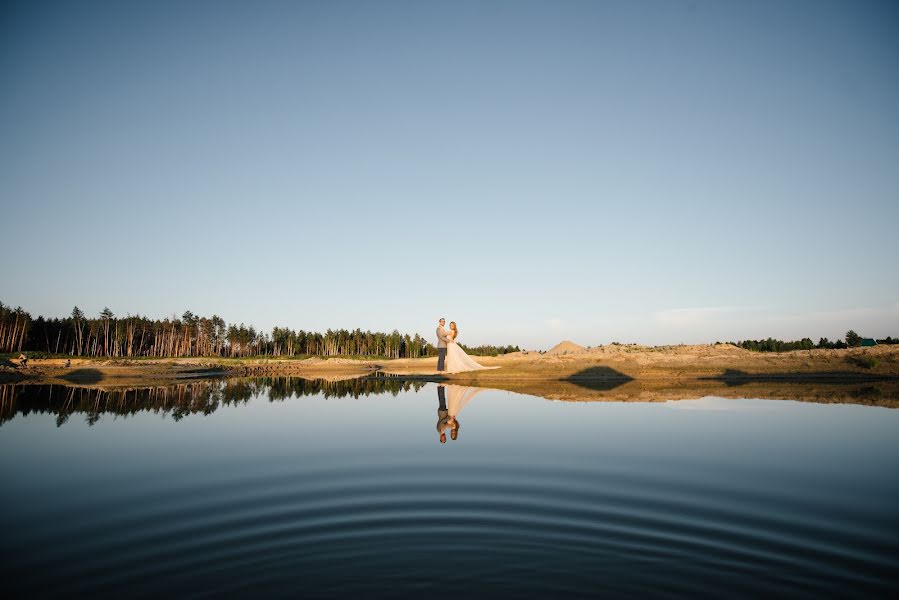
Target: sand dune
[{"x": 565, "y": 347}]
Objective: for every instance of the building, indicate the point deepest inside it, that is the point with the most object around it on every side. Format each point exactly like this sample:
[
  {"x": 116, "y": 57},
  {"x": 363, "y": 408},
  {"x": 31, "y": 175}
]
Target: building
[{"x": 868, "y": 342}]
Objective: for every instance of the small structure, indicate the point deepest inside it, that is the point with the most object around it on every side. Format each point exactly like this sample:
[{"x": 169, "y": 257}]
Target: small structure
[{"x": 868, "y": 342}]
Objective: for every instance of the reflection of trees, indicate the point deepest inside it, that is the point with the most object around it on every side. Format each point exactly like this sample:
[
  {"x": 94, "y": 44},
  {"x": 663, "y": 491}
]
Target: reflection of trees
[
  {"x": 179, "y": 400},
  {"x": 282, "y": 388}
]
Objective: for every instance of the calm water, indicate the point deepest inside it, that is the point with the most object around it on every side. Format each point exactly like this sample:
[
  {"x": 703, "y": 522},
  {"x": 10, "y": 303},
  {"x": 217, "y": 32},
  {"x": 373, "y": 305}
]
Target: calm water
[{"x": 297, "y": 488}]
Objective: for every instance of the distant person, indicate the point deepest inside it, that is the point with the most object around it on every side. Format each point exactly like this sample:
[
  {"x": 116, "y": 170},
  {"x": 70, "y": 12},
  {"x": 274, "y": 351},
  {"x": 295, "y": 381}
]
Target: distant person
[
  {"x": 68, "y": 362},
  {"x": 23, "y": 359},
  {"x": 442, "y": 340}
]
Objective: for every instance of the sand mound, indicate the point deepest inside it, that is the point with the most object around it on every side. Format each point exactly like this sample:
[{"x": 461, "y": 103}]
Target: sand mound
[{"x": 565, "y": 347}]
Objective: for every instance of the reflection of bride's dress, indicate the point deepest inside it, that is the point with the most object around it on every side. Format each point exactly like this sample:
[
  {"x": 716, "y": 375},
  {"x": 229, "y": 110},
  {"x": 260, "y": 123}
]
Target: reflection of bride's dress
[
  {"x": 457, "y": 361},
  {"x": 457, "y": 396}
]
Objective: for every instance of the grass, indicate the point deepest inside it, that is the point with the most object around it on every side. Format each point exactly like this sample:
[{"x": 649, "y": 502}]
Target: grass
[{"x": 864, "y": 361}]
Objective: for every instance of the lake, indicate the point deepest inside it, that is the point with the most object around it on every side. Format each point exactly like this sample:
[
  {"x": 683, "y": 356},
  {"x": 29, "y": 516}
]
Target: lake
[{"x": 291, "y": 487}]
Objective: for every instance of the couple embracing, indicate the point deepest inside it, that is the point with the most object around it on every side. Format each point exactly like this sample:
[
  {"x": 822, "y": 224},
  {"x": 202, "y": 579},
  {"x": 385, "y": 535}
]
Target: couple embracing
[{"x": 451, "y": 358}]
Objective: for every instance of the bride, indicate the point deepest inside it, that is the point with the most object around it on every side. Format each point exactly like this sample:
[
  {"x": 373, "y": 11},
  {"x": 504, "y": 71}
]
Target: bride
[{"x": 457, "y": 361}]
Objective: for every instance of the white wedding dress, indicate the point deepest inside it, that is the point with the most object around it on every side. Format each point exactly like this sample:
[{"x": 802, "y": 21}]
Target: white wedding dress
[
  {"x": 457, "y": 396},
  {"x": 457, "y": 361}
]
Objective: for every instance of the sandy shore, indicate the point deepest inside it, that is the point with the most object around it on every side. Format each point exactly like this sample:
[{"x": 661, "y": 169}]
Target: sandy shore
[
  {"x": 672, "y": 362},
  {"x": 566, "y": 373}
]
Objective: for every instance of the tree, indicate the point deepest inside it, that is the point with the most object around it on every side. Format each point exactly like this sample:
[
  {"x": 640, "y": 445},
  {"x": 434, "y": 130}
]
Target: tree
[
  {"x": 14, "y": 326},
  {"x": 853, "y": 340},
  {"x": 78, "y": 318},
  {"x": 107, "y": 316}
]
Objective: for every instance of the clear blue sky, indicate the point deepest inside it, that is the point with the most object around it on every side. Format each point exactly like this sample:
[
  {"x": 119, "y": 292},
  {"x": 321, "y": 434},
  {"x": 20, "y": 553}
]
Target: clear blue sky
[{"x": 658, "y": 172}]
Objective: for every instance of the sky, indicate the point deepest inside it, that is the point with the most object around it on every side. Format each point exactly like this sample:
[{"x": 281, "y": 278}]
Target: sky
[{"x": 654, "y": 172}]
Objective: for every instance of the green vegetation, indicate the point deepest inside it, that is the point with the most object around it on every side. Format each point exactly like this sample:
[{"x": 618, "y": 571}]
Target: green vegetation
[
  {"x": 109, "y": 336},
  {"x": 772, "y": 345},
  {"x": 13, "y": 328},
  {"x": 490, "y": 350},
  {"x": 853, "y": 340},
  {"x": 865, "y": 361}
]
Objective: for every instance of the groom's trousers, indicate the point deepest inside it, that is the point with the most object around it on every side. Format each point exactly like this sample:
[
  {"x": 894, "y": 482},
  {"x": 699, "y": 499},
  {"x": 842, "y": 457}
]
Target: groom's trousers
[{"x": 441, "y": 359}]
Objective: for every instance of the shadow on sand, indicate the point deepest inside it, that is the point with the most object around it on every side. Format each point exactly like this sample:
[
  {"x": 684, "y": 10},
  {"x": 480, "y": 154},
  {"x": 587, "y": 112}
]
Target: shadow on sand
[
  {"x": 84, "y": 376},
  {"x": 598, "y": 379}
]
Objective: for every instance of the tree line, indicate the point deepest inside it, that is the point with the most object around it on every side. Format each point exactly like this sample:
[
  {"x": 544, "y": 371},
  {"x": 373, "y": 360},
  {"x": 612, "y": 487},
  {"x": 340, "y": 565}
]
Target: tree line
[
  {"x": 852, "y": 340},
  {"x": 490, "y": 350},
  {"x": 13, "y": 328},
  {"x": 194, "y": 335}
]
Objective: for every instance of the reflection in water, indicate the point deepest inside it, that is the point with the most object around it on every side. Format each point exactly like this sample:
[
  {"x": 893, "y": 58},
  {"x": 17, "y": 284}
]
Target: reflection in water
[
  {"x": 442, "y": 413},
  {"x": 448, "y": 414},
  {"x": 735, "y": 377},
  {"x": 354, "y": 499},
  {"x": 205, "y": 396},
  {"x": 181, "y": 399},
  {"x": 849, "y": 390}
]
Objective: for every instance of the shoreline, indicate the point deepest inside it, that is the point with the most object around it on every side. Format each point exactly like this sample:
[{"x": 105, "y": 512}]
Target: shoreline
[{"x": 610, "y": 373}]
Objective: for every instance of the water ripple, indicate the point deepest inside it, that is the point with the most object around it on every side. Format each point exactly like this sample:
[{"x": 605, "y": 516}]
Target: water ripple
[{"x": 348, "y": 530}]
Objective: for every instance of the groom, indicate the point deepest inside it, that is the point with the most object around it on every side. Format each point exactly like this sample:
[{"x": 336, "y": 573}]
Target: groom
[
  {"x": 442, "y": 339},
  {"x": 442, "y": 414}
]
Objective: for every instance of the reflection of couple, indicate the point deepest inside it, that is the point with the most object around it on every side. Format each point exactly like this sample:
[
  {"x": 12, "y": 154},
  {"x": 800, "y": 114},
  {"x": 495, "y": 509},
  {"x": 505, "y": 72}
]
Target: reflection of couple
[
  {"x": 451, "y": 358},
  {"x": 448, "y": 414}
]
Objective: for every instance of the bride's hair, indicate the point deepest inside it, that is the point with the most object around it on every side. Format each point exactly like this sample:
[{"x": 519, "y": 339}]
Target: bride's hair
[{"x": 454, "y": 328}]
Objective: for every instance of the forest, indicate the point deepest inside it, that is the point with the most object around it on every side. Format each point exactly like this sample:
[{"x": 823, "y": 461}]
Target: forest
[
  {"x": 853, "y": 340},
  {"x": 193, "y": 335}
]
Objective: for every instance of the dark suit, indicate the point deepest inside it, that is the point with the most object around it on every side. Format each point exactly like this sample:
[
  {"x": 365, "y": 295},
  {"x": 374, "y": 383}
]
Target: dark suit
[{"x": 442, "y": 413}]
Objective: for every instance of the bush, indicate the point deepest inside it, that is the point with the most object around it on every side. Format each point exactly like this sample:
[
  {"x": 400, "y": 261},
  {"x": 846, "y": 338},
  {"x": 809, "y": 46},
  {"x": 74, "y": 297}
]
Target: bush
[{"x": 865, "y": 361}]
